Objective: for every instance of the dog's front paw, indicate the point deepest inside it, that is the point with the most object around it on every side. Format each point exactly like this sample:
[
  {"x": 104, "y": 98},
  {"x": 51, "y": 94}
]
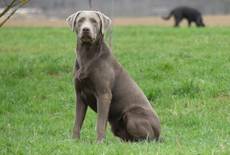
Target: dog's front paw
[
  {"x": 100, "y": 141},
  {"x": 76, "y": 135}
]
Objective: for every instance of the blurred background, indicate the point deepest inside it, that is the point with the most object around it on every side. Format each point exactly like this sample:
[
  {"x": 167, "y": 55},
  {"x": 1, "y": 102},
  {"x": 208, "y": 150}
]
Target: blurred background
[{"x": 123, "y": 12}]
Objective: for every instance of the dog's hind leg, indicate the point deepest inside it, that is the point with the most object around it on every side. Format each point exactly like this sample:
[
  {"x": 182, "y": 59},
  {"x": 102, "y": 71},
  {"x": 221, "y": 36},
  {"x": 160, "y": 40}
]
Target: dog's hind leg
[
  {"x": 119, "y": 130},
  {"x": 141, "y": 125}
]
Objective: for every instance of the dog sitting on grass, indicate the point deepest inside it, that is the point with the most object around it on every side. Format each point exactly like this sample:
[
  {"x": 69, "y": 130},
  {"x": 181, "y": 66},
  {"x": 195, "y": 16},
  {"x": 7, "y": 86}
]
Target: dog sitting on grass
[{"x": 102, "y": 84}]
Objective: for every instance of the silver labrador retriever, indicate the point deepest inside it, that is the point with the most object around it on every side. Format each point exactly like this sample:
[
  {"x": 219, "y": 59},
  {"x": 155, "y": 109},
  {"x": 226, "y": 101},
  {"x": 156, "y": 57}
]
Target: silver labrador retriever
[{"x": 102, "y": 84}]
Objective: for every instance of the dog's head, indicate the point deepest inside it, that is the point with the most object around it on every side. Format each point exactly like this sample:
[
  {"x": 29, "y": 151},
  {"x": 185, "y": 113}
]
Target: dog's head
[
  {"x": 88, "y": 24},
  {"x": 200, "y": 22}
]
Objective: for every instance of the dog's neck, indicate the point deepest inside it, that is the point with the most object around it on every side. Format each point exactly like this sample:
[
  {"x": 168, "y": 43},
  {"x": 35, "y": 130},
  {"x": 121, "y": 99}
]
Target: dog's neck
[{"x": 87, "y": 52}]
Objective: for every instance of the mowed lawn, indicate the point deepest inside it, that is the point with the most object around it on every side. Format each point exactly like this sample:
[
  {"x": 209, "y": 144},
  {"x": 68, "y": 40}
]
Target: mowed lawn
[{"x": 184, "y": 72}]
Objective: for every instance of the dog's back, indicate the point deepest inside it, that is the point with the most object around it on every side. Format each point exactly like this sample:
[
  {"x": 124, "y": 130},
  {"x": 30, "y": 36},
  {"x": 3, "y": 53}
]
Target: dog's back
[{"x": 187, "y": 12}]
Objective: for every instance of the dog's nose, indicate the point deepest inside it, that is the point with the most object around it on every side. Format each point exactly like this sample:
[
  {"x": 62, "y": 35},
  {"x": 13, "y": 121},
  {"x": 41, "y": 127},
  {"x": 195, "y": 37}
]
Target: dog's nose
[{"x": 85, "y": 29}]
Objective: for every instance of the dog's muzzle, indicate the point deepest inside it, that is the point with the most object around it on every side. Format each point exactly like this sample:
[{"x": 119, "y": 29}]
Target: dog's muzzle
[{"x": 86, "y": 35}]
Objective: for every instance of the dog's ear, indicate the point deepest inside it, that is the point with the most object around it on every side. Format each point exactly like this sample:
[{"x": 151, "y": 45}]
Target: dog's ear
[
  {"x": 71, "y": 20},
  {"x": 105, "y": 22}
]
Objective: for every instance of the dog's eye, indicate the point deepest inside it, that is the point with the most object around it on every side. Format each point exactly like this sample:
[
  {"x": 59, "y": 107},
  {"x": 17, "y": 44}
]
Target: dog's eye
[
  {"x": 81, "y": 20},
  {"x": 93, "y": 21}
]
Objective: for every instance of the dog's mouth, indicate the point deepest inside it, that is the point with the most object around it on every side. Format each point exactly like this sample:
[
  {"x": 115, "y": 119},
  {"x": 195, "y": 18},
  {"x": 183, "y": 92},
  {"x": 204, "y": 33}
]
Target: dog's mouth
[{"x": 86, "y": 37}]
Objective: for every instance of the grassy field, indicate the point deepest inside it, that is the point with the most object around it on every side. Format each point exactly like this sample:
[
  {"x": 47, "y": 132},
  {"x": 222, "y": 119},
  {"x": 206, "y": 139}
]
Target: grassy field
[{"x": 184, "y": 72}]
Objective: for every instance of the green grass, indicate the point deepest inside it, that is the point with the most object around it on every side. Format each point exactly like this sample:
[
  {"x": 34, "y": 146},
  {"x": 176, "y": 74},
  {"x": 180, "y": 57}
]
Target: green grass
[{"x": 184, "y": 72}]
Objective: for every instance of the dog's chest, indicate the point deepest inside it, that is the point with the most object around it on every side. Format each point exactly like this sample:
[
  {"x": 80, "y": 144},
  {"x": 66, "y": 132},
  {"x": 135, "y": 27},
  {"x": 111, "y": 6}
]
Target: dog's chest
[{"x": 87, "y": 92}]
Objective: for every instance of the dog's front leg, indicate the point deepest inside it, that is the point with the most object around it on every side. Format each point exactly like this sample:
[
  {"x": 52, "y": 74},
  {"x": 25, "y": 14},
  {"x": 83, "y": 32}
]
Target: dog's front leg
[
  {"x": 103, "y": 106},
  {"x": 81, "y": 109}
]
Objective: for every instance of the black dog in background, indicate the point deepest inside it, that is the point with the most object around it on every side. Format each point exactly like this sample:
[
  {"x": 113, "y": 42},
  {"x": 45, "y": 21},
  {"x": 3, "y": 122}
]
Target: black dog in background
[{"x": 191, "y": 14}]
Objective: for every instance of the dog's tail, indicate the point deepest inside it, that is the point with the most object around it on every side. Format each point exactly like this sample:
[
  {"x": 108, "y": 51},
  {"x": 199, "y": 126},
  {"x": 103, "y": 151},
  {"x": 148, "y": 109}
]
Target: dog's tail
[{"x": 168, "y": 17}]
